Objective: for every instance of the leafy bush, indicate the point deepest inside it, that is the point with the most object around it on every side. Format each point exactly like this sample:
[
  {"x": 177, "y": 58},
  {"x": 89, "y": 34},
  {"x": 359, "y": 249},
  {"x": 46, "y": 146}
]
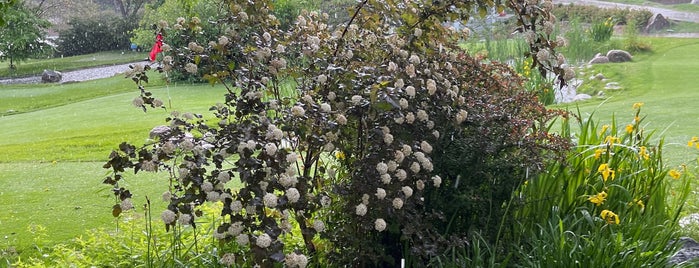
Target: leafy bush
[
  {"x": 356, "y": 142},
  {"x": 94, "y": 34},
  {"x": 602, "y": 31},
  {"x": 592, "y": 14}
]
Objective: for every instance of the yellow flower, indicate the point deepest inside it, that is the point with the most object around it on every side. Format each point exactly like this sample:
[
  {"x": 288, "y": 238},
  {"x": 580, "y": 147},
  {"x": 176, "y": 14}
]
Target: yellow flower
[
  {"x": 675, "y": 174},
  {"x": 611, "y": 140},
  {"x": 637, "y": 105},
  {"x": 609, "y": 216},
  {"x": 340, "y": 155},
  {"x": 694, "y": 140},
  {"x": 636, "y": 119},
  {"x": 629, "y": 128},
  {"x": 639, "y": 202},
  {"x": 643, "y": 152},
  {"x": 598, "y": 153},
  {"x": 606, "y": 171},
  {"x": 598, "y": 199},
  {"x": 604, "y": 129}
]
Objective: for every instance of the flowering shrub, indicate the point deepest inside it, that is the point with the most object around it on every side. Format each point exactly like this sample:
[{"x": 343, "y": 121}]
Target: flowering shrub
[
  {"x": 602, "y": 31},
  {"x": 361, "y": 136}
]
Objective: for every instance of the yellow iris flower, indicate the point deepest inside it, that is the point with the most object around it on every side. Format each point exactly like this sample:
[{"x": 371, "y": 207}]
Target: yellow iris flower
[
  {"x": 643, "y": 152},
  {"x": 605, "y": 171},
  {"x": 598, "y": 153},
  {"x": 637, "y": 105},
  {"x": 674, "y": 174},
  {"x": 609, "y": 216},
  {"x": 598, "y": 199},
  {"x": 629, "y": 128}
]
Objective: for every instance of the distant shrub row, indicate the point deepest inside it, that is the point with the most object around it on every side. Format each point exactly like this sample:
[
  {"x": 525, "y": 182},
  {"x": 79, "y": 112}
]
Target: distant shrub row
[{"x": 591, "y": 14}]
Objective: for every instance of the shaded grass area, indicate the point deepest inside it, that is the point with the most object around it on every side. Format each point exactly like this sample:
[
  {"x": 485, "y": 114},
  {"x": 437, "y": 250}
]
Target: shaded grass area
[{"x": 33, "y": 67}]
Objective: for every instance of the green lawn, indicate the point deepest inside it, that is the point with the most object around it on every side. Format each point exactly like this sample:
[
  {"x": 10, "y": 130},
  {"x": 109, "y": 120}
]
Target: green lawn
[
  {"x": 63, "y": 64},
  {"x": 53, "y": 152}
]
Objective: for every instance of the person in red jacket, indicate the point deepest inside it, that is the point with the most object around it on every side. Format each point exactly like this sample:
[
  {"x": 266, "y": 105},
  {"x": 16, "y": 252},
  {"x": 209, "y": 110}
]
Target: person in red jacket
[{"x": 157, "y": 47}]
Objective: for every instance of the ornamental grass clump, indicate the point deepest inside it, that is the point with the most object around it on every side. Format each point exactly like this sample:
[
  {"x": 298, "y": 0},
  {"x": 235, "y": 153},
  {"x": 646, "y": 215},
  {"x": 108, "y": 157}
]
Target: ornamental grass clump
[
  {"x": 346, "y": 138},
  {"x": 611, "y": 193}
]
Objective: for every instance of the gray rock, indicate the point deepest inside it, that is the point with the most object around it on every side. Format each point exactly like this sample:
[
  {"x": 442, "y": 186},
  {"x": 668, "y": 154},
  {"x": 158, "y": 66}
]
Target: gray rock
[
  {"x": 612, "y": 86},
  {"x": 656, "y": 23},
  {"x": 688, "y": 252},
  {"x": 581, "y": 97},
  {"x": 49, "y": 76},
  {"x": 599, "y": 59},
  {"x": 616, "y": 55},
  {"x": 599, "y": 76},
  {"x": 695, "y": 2}
]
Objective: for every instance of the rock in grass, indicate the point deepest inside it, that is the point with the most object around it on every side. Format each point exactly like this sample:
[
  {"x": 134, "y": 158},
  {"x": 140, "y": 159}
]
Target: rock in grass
[
  {"x": 617, "y": 55},
  {"x": 657, "y": 22},
  {"x": 49, "y": 76},
  {"x": 688, "y": 252},
  {"x": 599, "y": 59}
]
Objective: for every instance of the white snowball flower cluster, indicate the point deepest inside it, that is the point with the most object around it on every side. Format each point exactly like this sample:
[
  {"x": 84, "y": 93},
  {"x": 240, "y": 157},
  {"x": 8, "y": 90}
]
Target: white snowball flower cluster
[
  {"x": 361, "y": 210},
  {"x": 242, "y": 239},
  {"x": 274, "y": 133},
  {"x": 382, "y": 168},
  {"x": 319, "y": 226},
  {"x": 168, "y": 216},
  {"x": 397, "y": 203},
  {"x": 227, "y": 259},
  {"x": 293, "y": 195},
  {"x": 401, "y": 174},
  {"x": 293, "y": 260},
  {"x": 380, "y": 225},
  {"x": 410, "y": 90},
  {"x": 270, "y": 200},
  {"x": 437, "y": 181},
  {"x": 325, "y": 107},
  {"x": 426, "y": 147},
  {"x": 461, "y": 116},
  {"x": 236, "y": 206},
  {"x": 236, "y": 228},
  {"x": 270, "y": 149},
  {"x": 380, "y": 193},
  {"x": 407, "y": 191},
  {"x": 298, "y": 111},
  {"x": 263, "y": 241}
]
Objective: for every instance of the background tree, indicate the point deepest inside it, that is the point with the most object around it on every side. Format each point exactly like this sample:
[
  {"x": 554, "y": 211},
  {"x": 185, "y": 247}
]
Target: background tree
[{"x": 23, "y": 35}]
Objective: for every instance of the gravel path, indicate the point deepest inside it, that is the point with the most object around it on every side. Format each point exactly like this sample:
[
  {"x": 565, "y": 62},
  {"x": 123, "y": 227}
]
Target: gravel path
[
  {"x": 668, "y": 13},
  {"x": 77, "y": 75}
]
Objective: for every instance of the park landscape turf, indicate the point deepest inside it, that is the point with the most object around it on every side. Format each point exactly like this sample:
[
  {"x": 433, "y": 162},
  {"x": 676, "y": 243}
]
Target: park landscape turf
[{"x": 57, "y": 137}]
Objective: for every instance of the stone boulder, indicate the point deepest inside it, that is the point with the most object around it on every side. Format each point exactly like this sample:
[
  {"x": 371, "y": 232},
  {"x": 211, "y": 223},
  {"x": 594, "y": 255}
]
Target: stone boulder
[
  {"x": 599, "y": 59},
  {"x": 689, "y": 252},
  {"x": 616, "y": 55},
  {"x": 656, "y": 23},
  {"x": 49, "y": 76},
  {"x": 695, "y": 2}
]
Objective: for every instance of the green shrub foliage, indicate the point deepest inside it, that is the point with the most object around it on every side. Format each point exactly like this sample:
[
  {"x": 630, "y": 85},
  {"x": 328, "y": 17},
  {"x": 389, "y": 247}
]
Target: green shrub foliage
[
  {"x": 368, "y": 138},
  {"x": 95, "y": 34}
]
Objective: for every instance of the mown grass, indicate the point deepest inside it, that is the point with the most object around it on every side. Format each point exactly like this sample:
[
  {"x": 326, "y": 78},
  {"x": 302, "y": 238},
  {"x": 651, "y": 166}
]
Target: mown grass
[
  {"x": 37, "y": 66},
  {"x": 53, "y": 152},
  {"x": 678, "y": 7}
]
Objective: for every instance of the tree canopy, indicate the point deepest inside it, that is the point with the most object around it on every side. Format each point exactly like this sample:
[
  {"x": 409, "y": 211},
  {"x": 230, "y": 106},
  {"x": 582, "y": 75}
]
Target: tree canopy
[{"x": 23, "y": 35}]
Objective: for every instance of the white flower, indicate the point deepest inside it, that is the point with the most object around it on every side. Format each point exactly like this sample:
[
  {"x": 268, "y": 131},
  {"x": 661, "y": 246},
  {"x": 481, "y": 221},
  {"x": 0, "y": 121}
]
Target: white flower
[
  {"x": 386, "y": 178},
  {"x": 403, "y": 103},
  {"x": 431, "y": 86},
  {"x": 410, "y": 118},
  {"x": 414, "y": 59},
  {"x": 325, "y": 108},
  {"x": 397, "y": 203},
  {"x": 435, "y": 134},
  {"x": 365, "y": 199},
  {"x": 292, "y": 157},
  {"x": 168, "y": 216},
  {"x": 543, "y": 55},
  {"x": 325, "y": 201},
  {"x": 422, "y": 115},
  {"x": 213, "y": 196},
  {"x": 270, "y": 200},
  {"x": 263, "y": 241},
  {"x": 380, "y": 225},
  {"x": 294, "y": 260},
  {"x": 399, "y": 120},
  {"x": 319, "y": 226},
  {"x": 382, "y": 168},
  {"x": 417, "y": 32},
  {"x": 392, "y": 66},
  {"x": 420, "y": 185},
  {"x": 322, "y": 79},
  {"x": 297, "y": 111},
  {"x": 410, "y": 70},
  {"x": 271, "y": 149},
  {"x": 167, "y": 197},
  {"x": 392, "y": 166},
  {"x": 236, "y": 228},
  {"x": 191, "y": 68},
  {"x": 288, "y": 180},
  {"x": 399, "y": 156},
  {"x": 218, "y": 235},
  {"x": 426, "y": 147},
  {"x": 401, "y": 174},
  {"x": 293, "y": 195},
  {"x": 185, "y": 219},
  {"x": 461, "y": 116},
  {"x": 415, "y": 167},
  {"x": 361, "y": 209},
  {"x": 267, "y": 36},
  {"x": 437, "y": 181},
  {"x": 407, "y": 191},
  {"x": 356, "y": 99},
  {"x": 207, "y": 186},
  {"x": 227, "y": 259},
  {"x": 410, "y": 90},
  {"x": 126, "y": 204},
  {"x": 380, "y": 193},
  {"x": 341, "y": 119},
  {"x": 242, "y": 239},
  {"x": 236, "y": 206},
  {"x": 399, "y": 83}
]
